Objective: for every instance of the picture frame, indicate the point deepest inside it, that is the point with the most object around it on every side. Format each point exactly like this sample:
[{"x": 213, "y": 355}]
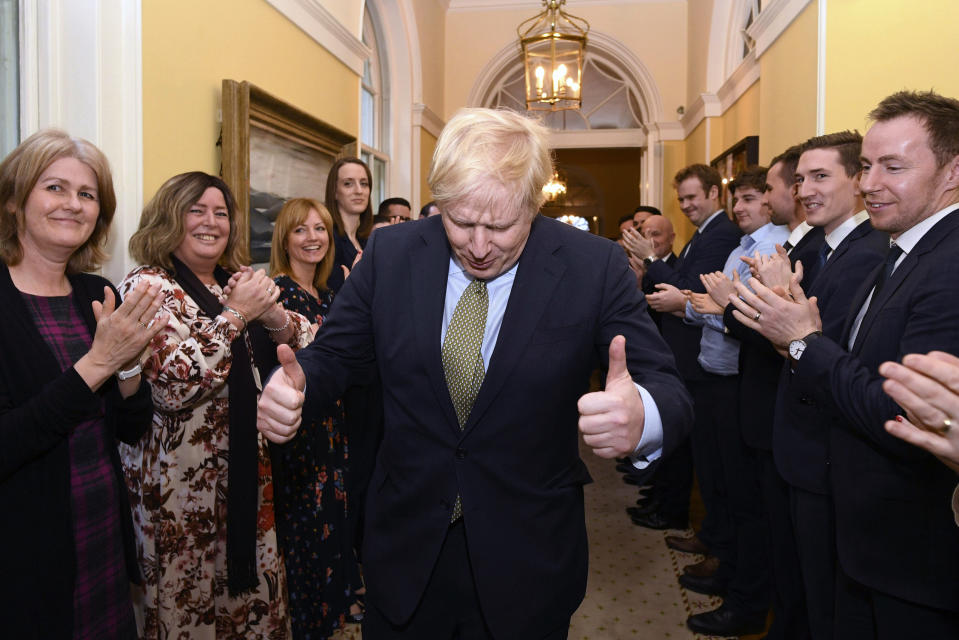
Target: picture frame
[
  {"x": 731, "y": 162},
  {"x": 272, "y": 151}
]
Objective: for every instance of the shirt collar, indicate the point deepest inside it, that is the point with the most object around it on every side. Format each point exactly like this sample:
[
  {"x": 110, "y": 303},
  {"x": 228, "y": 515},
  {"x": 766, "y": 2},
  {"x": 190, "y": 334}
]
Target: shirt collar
[
  {"x": 835, "y": 238},
  {"x": 909, "y": 238},
  {"x": 708, "y": 220},
  {"x": 797, "y": 234}
]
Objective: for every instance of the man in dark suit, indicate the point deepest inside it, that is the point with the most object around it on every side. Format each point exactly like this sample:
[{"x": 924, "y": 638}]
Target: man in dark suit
[
  {"x": 485, "y": 326},
  {"x": 698, "y": 188},
  {"x": 898, "y": 552}
]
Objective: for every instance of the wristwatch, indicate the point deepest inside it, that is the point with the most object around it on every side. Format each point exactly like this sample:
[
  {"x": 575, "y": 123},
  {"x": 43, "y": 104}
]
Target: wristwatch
[
  {"x": 797, "y": 347},
  {"x": 648, "y": 260},
  {"x": 129, "y": 373}
]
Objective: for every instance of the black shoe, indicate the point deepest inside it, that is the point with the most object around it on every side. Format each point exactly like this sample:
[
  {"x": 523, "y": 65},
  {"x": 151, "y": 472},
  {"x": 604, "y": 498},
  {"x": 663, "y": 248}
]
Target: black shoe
[
  {"x": 658, "y": 521},
  {"x": 726, "y": 622},
  {"x": 710, "y": 586},
  {"x": 692, "y": 544},
  {"x": 644, "y": 501},
  {"x": 635, "y": 479},
  {"x": 642, "y": 512}
]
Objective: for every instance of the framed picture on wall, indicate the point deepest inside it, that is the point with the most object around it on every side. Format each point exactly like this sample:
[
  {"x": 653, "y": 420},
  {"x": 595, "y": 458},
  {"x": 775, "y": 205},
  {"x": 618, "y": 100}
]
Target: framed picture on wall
[
  {"x": 733, "y": 160},
  {"x": 272, "y": 152}
]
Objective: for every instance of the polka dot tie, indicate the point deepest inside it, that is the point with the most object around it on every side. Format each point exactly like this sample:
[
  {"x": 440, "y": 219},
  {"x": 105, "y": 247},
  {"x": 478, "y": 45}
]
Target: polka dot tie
[{"x": 463, "y": 357}]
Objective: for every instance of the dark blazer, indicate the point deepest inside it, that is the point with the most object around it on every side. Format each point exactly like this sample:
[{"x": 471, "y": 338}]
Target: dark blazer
[
  {"x": 516, "y": 462},
  {"x": 39, "y": 405},
  {"x": 344, "y": 253},
  {"x": 708, "y": 253},
  {"x": 807, "y": 252},
  {"x": 894, "y": 527},
  {"x": 759, "y": 362},
  {"x": 800, "y": 443},
  {"x": 648, "y": 288}
]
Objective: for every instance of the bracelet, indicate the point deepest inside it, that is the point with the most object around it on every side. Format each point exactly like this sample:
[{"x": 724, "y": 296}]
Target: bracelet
[
  {"x": 278, "y": 329},
  {"x": 129, "y": 373},
  {"x": 239, "y": 316}
]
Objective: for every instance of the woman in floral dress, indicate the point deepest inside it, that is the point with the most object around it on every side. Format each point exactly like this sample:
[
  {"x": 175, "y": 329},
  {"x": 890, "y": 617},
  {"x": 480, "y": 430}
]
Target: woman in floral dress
[
  {"x": 201, "y": 480},
  {"x": 313, "y": 529}
]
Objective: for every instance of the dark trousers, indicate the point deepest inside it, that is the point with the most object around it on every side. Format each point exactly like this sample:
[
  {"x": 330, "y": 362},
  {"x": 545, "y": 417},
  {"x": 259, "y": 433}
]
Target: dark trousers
[
  {"x": 815, "y": 534},
  {"x": 750, "y": 576},
  {"x": 450, "y": 608},
  {"x": 714, "y": 402},
  {"x": 790, "y": 619},
  {"x": 673, "y": 483},
  {"x": 866, "y": 614}
]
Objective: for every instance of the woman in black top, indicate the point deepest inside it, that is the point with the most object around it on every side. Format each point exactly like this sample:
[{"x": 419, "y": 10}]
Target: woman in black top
[{"x": 348, "y": 200}]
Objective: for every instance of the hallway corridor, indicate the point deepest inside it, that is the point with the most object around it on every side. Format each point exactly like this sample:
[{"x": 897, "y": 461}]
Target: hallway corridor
[{"x": 633, "y": 590}]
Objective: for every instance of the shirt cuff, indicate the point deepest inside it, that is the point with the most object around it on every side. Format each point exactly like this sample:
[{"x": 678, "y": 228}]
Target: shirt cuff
[{"x": 650, "y": 446}]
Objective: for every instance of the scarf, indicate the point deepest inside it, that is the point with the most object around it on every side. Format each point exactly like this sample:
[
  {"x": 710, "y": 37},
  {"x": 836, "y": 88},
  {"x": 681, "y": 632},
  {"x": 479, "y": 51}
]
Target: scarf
[{"x": 242, "y": 475}]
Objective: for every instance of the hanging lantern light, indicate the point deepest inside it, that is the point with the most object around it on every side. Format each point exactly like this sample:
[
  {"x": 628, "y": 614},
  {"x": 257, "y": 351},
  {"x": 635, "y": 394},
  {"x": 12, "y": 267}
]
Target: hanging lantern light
[
  {"x": 555, "y": 188},
  {"x": 553, "y": 43}
]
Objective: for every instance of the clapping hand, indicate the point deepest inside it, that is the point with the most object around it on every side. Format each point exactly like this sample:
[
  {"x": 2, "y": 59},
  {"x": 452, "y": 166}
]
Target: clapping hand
[{"x": 927, "y": 388}]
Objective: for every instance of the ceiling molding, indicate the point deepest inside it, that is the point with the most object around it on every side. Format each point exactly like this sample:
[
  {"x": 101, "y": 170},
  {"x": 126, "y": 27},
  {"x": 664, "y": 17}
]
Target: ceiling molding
[
  {"x": 745, "y": 75},
  {"x": 326, "y": 30},
  {"x": 772, "y": 21},
  {"x": 424, "y": 117},
  {"x": 597, "y": 138}
]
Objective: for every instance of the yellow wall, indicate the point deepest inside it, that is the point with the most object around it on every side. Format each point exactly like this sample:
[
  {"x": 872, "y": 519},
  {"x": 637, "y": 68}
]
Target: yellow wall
[
  {"x": 877, "y": 47},
  {"x": 696, "y": 145},
  {"x": 700, "y": 13},
  {"x": 427, "y": 146},
  {"x": 431, "y": 31},
  {"x": 190, "y": 47},
  {"x": 739, "y": 121},
  {"x": 787, "y": 92},
  {"x": 674, "y": 159}
]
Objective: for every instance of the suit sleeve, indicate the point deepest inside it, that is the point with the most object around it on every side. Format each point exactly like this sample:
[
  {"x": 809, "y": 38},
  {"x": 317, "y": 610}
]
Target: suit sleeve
[
  {"x": 650, "y": 361},
  {"x": 918, "y": 323},
  {"x": 343, "y": 350}
]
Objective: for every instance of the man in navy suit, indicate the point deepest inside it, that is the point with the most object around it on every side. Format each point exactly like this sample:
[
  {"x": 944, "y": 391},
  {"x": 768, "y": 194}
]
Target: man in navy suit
[
  {"x": 475, "y": 518},
  {"x": 897, "y": 548},
  {"x": 698, "y": 189}
]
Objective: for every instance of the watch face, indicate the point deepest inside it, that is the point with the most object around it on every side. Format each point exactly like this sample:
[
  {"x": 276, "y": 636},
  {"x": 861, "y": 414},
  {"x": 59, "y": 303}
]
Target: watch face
[{"x": 796, "y": 347}]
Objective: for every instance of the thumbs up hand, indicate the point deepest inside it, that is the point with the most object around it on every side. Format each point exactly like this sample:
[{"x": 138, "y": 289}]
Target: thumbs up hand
[
  {"x": 280, "y": 408},
  {"x": 612, "y": 420}
]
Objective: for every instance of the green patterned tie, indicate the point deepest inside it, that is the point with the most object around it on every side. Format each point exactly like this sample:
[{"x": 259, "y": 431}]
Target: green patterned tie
[{"x": 463, "y": 356}]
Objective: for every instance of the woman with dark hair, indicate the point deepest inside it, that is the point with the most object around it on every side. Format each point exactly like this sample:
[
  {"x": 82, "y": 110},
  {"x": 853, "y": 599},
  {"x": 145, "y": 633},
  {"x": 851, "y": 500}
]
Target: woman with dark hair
[
  {"x": 313, "y": 528},
  {"x": 70, "y": 387},
  {"x": 202, "y": 481},
  {"x": 348, "y": 200}
]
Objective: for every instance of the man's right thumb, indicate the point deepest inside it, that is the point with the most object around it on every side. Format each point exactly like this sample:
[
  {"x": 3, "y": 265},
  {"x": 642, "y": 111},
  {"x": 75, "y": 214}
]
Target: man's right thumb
[{"x": 291, "y": 367}]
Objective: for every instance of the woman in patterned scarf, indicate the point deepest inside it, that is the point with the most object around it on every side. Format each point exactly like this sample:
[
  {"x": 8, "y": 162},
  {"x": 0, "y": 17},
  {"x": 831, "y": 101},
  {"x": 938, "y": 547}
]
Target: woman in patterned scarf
[{"x": 202, "y": 480}]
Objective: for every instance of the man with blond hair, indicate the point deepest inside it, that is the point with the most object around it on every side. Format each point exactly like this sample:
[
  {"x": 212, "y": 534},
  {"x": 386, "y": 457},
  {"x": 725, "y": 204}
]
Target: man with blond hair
[{"x": 485, "y": 325}]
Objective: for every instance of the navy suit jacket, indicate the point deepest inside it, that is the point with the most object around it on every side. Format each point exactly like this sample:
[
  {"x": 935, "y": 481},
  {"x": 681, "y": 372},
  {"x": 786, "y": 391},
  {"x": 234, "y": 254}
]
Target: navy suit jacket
[
  {"x": 759, "y": 362},
  {"x": 894, "y": 526},
  {"x": 707, "y": 254},
  {"x": 516, "y": 462},
  {"x": 800, "y": 444}
]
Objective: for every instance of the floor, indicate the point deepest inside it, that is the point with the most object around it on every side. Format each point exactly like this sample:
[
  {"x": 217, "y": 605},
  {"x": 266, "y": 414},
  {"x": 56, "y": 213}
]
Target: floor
[{"x": 632, "y": 590}]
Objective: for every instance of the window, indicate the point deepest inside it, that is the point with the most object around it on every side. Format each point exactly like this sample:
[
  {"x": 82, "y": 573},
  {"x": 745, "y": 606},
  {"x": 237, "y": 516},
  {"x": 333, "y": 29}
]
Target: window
[
  {"x": 9, "y": 76},
  {"x": 374, "y": 134}
]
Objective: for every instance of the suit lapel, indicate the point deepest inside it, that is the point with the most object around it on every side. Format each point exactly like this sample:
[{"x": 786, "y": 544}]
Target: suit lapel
[
  {"x": 928, "y": 242},
  {"x": 537, "y": 275},
  {"x": 429, "y": 270}
]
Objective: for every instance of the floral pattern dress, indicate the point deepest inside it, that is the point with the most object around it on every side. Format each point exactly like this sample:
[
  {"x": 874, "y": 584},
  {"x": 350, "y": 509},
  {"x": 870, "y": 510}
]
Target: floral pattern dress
[
  {"x": 313, "y": 530},
  {"x": 177, "y": 476}
]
